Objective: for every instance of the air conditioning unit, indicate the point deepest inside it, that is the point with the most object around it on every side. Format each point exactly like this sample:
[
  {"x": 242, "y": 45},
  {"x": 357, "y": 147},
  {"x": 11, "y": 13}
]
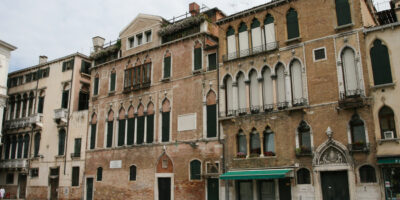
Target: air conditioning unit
[{"x": 388, "y": 134}]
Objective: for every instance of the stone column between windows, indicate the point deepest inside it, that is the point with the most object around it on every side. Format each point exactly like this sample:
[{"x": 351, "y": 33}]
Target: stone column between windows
[
  {"x": 248, "y": 144},
  {"x": 261, "y": 136},
  {"x": 222, "y": 100}
]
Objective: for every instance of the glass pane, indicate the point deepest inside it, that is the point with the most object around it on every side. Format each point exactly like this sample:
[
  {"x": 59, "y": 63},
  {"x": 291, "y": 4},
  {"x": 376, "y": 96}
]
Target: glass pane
[
  {"x": 358, "y": 134},
  {"x": 242, "y": 144}
]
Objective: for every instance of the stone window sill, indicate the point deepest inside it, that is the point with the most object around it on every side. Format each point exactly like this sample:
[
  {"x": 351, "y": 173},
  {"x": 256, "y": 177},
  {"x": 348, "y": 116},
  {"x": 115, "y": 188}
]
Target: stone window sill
[
  {"x": 296, "y": 39},
  {"x": 382, "y": 86},
  {"x": 341, "y": 27},
  {"x": 381, "y": 141}
]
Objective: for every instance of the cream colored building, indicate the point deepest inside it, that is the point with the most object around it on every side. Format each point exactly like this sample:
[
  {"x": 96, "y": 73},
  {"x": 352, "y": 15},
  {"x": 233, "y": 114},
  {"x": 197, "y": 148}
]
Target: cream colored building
[{"x": 45, "y": 129}]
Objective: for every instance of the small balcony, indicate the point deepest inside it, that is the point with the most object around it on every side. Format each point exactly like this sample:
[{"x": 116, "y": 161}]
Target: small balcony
[
  {"x": 359, "y": 147},
  {"x": 33, "y": 120},
  {"x": 249, "y": 52},
  {"x": 61, "y": 115},
  {"x": 76, "y": 155},
  {"x": 304, "y": 151},
  {"x": 352, "y": 99},
  {"x": 14, "y": 163}
]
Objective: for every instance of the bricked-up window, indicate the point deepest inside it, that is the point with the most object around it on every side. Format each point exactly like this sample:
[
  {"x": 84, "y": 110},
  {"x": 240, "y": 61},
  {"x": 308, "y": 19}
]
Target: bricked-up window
[
  {"x": 10, "y": 178},
  {"x": 255, "y": 147},
  {"x": 165, "y": 115},
  {"x": 132, "y": 173},
  {"x": 34, "y": 172},
  {"x": 367, "y": 174},
  {"x": 99, "y": 174},
  {"x": 150, "y": 123},
  {"x": 269, "y": 142},
  {"x": 37, "y": 145},
  {"x": 121, "y": 127},
  {"x": 93, "y": 130},
  {"x": 343, "y": 13},
  {"x": 85, "y": 67},
  {"x": 387, "y": 123},
  {"x": 167, "y": 67},
  {"x": 380, "y": 63},
  {"x": 304, "y": 137},
  {"x": 292, "y": 24},
  {"x": 113, "y": 77},
  {"x": 197, "y": 58},
  {"x": 26, "y": 145},
  {"x": 77, "y": 147},
  {"x": 241, "y": 144},
  {"x": 110, "y": 128},
  {"x": 138, "y": 77},
  {"x": 195, "y": 170},
  {"x": 96, "y": 85},
  {"x": 64, "y": 99},
  {"x": 140, "y": 125},
  {"x": 303, "y": 176},
  {"x": 67, "y": 65},
  {"x": 75, "y": 176},
  {"x": 131, "y": 126},
  {"x": 212, "y": 61},
  {"x": 357, "y": 131},
  {"x": 61, "y": 142}
]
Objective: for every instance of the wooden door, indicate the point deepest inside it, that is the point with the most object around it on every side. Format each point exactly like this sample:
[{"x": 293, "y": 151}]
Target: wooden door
[
  {"x": 335, "y": 185},
  {"x": 285, "y": 189},
  {"x": 266, "y": 189},
  {"x": 89, "y": 189},
  {"x": 53, "y": 188},
  {"x": 212, "y": 189},
  {"x": 22, "y": 185},
  {"x": 164, "y": 188}
]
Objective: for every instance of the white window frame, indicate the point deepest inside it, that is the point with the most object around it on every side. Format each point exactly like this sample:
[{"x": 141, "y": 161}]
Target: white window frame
[
  {"x": 164, "y": 175},
  {"x": 201, "y": 171},
  {"x": 322, "y": 59}
]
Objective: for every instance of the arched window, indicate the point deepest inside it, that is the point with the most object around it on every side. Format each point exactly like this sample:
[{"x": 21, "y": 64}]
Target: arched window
[
  {"x": 380, "y": 63},
  {"x": 24, "y": 105},
  {"x": 132, "y": 173},
  {"x": 37, "y": 145},
  {"x": 292, "y": 24},
  {"x": 303, "y": 176},
  {"x": 297, "y": 83},
  {"x": 254, "y": 92},
  {"x": 113, "y": 77},
  {"x": 195, "y": 170},
  {"x": 167, "y": 65},
  {"x": 367, "y": 174},
  {"x": 357, "y": 128},
  {"x": 20, "y": 145},
  {"x": 304, "y": 137},
  {"x": 99, "y": 174},
  {"x": 242, "y": 144},
  {"x": 241, "y": 92},
  {"x": 18, "y": 109},
  {"x": 280, "y": 86},
  {"x": 26, "y": 145},
  {"x": 131, "y": 126},
  {"x": 268, "y": 90},
  {"x": 31, "y": 98},
  {"x": 13, "y": 147},
  {"x": 140, "y": 124},
  {"x": 387, "y": 123},
  {"x": 269, "y": 31},
  {"x": 351, "y": 75},
  {"x": 110, "y": 128},
  {"x": 343, "y": 13},
  {"x": 228, "y": 95},
  {"x": 256, "y": 37},
  {"x": 255, "y": 147},
  {"x": 211, "y": 110},
  {"x": 243, "y": 40},
  {"x": 61, "y": 142},
  {"x": 165, "y": 126},
  {"x": 269, "y": 143},
  {"x": 150, "y": 123},
  {"x": 121, "y": 127},
  {"x": 231, "y": 43},
  {"x": 93, "y": 129}
]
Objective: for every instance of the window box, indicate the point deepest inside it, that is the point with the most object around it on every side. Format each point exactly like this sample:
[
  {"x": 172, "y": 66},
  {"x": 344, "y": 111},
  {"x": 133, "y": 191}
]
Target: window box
[
  {"x": 269, "y": 153},
  {"x": 241, "y": 155}
]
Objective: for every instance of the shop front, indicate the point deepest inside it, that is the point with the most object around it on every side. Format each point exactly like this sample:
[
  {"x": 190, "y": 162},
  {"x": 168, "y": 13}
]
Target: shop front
[{"x": 390, "y": 169}]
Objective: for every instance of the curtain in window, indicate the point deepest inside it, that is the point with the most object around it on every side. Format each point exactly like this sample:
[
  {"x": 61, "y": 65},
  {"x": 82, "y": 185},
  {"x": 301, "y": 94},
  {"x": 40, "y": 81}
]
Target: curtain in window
[
  {"x": 254, "y": 91},
  {"x": 380, "y": 63},
  {"x": 269, "y": 31},
  {"x": 243, "y": 40},
  {"x": 343, "y": 13},
  {"x": 256, "y": 37},
  {"x": 231, "y": 43},
  {"x": 241, "y": 93},
  {"x": 350, "y": 72},
  {"x": 297, "y": 82},
  {"x": 292, "y": 24},
  {"x": 280, "y": 85},
  {"x": 268, "y": 90}
]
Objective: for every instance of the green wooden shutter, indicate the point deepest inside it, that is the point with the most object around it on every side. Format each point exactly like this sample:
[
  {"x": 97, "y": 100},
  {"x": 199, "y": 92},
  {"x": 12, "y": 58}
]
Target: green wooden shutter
[
  {"x": 77, "y": 147},
  {"x": 343, "y": 13},
  {"x": 292, "y": 24},
  {"x": 167, "y": 67},
  {"x": 99, "y": 174},
  {"x": 380, "y": 63},
  {"x": 96, "y": 86},
  {"x": 197, "y": 59},
  {"x": 140, "y": 130},
  {"x": 212, "y": 61},
  {"x": 195, "y": 170},
  {"x": 121, "y": 132},
  {"x": 131, "y": 131},
  {"x": 93, "y": 136},
  {"x": 75, "y": 176},
  {"x": 40, "y": 105},
  {"x": 64, "y": 100},
  {"x": 112, "y": 85},
  {"x": 165, "y": 127},
  {"x": 82, "y": 66},
  {"x": 150, "y": 129},
  {"x": 61, "y": 142},
  {"x": 109, "y": 133},
  {"x": 212, "y": 121}
]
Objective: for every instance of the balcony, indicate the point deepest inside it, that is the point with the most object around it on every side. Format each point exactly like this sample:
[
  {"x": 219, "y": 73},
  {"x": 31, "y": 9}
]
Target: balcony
[
  {"x": 359, "y": 147},
  {"x": 249, "y": 52},
  {"x": 14, "y": 163},
  {"x": 60, "y": 115},
  {"x": 138, "y": 86},
  {"x": 76, "y": 155},
  {"x": 304, "y": 151},
  {"x": 33, "y": 120},
  {"x": 352, "y": 99}
]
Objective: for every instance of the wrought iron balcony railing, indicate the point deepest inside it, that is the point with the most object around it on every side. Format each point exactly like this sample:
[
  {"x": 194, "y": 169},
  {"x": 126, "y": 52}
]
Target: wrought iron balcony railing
[
  {"x": 359, "y": 147},
  {"x": 252, "y": 51}
]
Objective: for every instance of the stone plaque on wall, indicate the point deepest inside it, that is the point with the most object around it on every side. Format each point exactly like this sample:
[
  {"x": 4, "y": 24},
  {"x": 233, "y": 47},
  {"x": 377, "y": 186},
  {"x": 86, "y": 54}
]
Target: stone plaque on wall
[
  {"x": 115, "y": 164},
  {"x": 187, "y": 122}
]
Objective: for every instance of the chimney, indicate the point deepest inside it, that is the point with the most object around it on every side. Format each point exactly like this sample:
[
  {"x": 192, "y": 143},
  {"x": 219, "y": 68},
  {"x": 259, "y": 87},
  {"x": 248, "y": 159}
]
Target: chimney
[
  {"x": 42, "y": 59},
  {"x": 98, "y": 43},
  {"x": 194, "y": 9}
]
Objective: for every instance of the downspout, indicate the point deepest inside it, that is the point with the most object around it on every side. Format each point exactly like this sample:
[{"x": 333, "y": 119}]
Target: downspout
[{"x": 68, "y": 116}]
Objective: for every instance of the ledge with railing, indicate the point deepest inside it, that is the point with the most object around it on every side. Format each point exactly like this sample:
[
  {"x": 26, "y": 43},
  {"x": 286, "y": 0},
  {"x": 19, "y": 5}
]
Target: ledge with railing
[
  {"x": 304, "y": 151},
  {"x": 350, "y": 99},
  {"x": 35, "y": 119},
  {"x": 249, "y": 52},
  {"x": 359, "y": 147}
]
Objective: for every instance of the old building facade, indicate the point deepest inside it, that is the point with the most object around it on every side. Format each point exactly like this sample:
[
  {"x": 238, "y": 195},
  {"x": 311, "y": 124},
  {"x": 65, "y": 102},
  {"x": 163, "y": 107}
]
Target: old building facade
[
  {"x": 45, "y": 127},
  {"x": 295, "y": 102},
  {"x": 153, "y": 111}
]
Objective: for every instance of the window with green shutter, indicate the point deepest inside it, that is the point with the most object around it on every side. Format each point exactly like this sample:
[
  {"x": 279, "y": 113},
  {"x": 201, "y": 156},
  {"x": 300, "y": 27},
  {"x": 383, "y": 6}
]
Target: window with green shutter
[
  {"x": 37, "y": 145},
  {"x": 75, "y": 176},
  {"x": 197, "y": 59},
  {"x": 167, "y": 67},
  {"x": 380, "y": 63},
  {"x": 195, "y": 170},
  {"x": 85, "y": 67},
  {"x": 61, "y": 142},
  {"x": 112, "y": 81},
  {"x": 211, "y": 120},
  {"x": 64, "y": 100},
  {"x": 343, "y": 13},
  {"x": 212, "y": 61},
  {"x": 121, "y": 132},
  {"x": 40, "y": 104},
  {"x": 96, "y": 86},
  {"x": 77, "y": 147},
  {"x": 93, "y": 136},
  {"x": 109, "y": 133},
  {"x": 140, "y": 130},
  {"x": 292, "y": 24},
  {"x": 131, "y": 131},
  {"x": 150, "y": 129},
  {"x": 165, "y": 127},
  {"x": 99, "y": 174}
]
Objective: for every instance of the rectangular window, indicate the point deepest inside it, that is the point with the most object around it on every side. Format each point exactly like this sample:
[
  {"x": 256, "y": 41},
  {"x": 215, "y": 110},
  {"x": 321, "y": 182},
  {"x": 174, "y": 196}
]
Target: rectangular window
[
  {"x": 148, "y": 36},
  {"x": 34, "y": 172},
  {"x": 96, "y": 86},
  {"x": 85, "y": 67},
  {"x": 64, "y": 100},
  {"x": 93, "y": 136},
  {"x": 211, "y": 121},
  {"x": 67, "y": 65},
  {"x": 40, "y": 104},
  {"x": 131, "y": 131},
  {"x": 75, "y": 176},
  {"x": 131, "y": 42},
  {"x": 112, "y": 80},
  {"x": 212, "y": 61},
  {"x": 197, "y": 59},
  {"x": 140, "y": 130},
  {"x": 167, "y": 67},
  {"x": 319, "y": 54},
  {"x": 109, "y": 133},
  {"x": 83, "y": 100},
  {"x": 165, "y": 127},
  {"x": 150, "y": 129},
  {"x": 343, "y": 13},
  {"x": 10, "y": 178},
  {"x": 139, "y": 38},
  {"x": 77, "y": 147},
  {"x": 121, "y": 132},
  {"x": 28, "y": 78}
]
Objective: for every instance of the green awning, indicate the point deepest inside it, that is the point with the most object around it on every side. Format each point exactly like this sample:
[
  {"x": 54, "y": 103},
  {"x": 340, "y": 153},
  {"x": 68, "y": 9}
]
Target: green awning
[
  {"x": 389, "y": 160},
  {"x": 255, "y": 174}
]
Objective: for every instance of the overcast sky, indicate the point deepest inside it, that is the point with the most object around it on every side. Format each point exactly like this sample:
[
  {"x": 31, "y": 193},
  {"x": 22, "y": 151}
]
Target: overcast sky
[{"x": 56, "y": 28}]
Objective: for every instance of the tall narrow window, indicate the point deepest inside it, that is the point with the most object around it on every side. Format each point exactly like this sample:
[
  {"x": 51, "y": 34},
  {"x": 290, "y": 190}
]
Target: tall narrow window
[
  {"x": 255, "y": 147},
  {"x": 228, "y": 95},
  {"x": 358, "y": 138},
  {"x": 18, "y": 110},
  {"x": 241, "y": 144},
  {"x": 231, "y": 43},
  {"x": 30, "y": 103},
  {"x": 61, "y": 142},
  {"x": 212, "y": 61},
  {"x": 20, "y": 144},
  {"x": 13, "y": 147},
  {"x": 195, "y": 170},
  {"x": 121, "y": 127},
  {"x": 198, "y": 57},
  {"x": 110, "y": 129},
  {"x": 37, "y": 145},
  {"x": 297, "y": 83},
  {"x": 269, "y": 143},
  {"x": 351, "y": 75},
  {"x": 131, "y": 126},
  {"x": 211, "y": 115},
  {"x": 280, "y": 86},
  {"x": 269, "y": 31},
  {"x": 96, "y": 85},
  {"x": 113, "y": 76},
  {"x": 387, "y": 123},
  {"x": 254, "y": 92},
  {"x": 7, "y": 145},
  {"x": 243, "y": 40},
  {"x": 93, "y": 130},
  {"x": 40, "y": 104},
  {"x": 367, "y": 174},
  {"x": 64, "y": 99},
  {"x": 256, "y": 37},
  {"x": 12, "y": 107},
  {"x": 343, "y": 13},
  {"x": 77, "y": 147},
  {"x": 132, "y": 173},
  {"x": 380, "y": 63},
  {"x": 166, "y": 111},
  {"x": 84, "y": 97},
  {"x": 292, "y": 24},
  {"x": 24, "y": 105},
  {"x": 303, "y": 176},
  {"x": 242, "y": 93},
  {"x": 268, "y": 90},
  {"x": 99, "y": 174},
  {"x": 150, "y": 123},
  {"x": 140, "y": 125},
  {"x": 75, "y": 176},
  {"x": 26, "y": 145},
  {"x": 304, "y": 136},
  {"x": 167, "y": 66}
]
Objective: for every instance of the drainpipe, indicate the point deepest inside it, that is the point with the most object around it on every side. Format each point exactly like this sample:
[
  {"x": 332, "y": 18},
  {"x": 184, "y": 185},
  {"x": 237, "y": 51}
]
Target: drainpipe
[{"x": 68, "y": 116}]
